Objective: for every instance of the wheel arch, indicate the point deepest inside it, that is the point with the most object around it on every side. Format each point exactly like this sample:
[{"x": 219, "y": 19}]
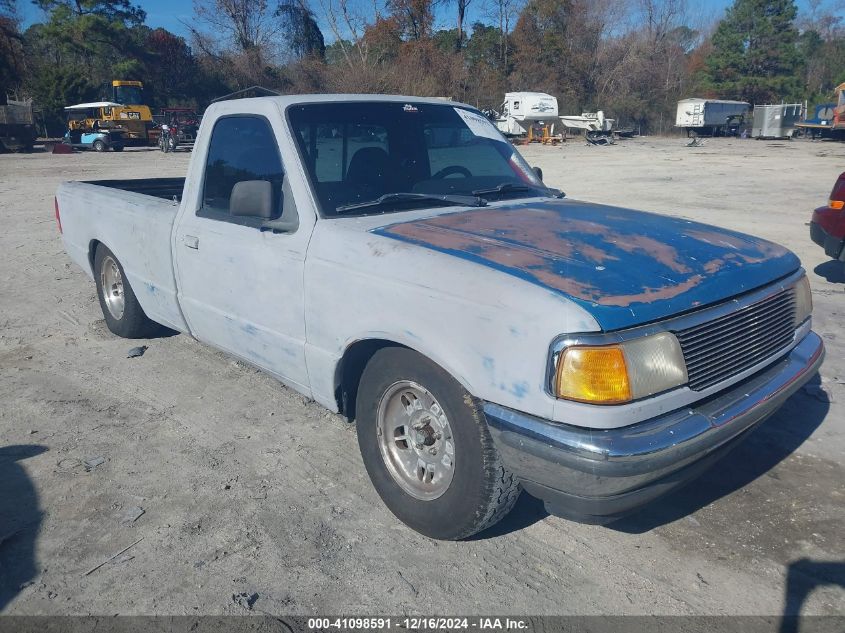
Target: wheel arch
[
  {"x": 355, "y": 358},
  {"x": 93, "y": 245}
]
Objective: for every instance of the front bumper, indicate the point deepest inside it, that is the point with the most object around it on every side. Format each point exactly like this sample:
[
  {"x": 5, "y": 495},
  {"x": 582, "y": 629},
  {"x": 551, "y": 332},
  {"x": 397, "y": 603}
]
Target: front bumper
[
  {"x": 833, "y": 246},
  {"x": 598, "y": 475}
]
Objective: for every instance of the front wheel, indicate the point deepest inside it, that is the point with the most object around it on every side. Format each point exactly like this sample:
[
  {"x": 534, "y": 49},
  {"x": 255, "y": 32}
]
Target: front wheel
[
  {"x": 99, "y": 146},
  {"x": 124, "y": 315},
  {"x": 427, "y": 449}
]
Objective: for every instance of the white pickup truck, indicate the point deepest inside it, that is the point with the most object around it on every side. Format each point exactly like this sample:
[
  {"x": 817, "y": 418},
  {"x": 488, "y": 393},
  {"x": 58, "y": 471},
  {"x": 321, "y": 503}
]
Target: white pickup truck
[{"x": 396, "y": 260}]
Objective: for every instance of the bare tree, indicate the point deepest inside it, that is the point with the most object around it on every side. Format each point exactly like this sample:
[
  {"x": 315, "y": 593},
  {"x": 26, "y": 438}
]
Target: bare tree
[
  {"x": 503, "y": 13},
  {"x": 244, "y": 25},
  {"x": 825, "y": 18},
  {"x": 12, "y": 67},
  {"x": 415, "y": 17},
  {"x": 462, "y": 11},
  {"x": 348, "y": 26}
]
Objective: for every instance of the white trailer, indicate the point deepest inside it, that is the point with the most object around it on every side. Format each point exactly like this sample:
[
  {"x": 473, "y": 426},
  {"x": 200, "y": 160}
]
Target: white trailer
[
  {"x": 588, "y": 121},
  {"x": 522, "y": 109},
  {"x": 709, "y": 116}
]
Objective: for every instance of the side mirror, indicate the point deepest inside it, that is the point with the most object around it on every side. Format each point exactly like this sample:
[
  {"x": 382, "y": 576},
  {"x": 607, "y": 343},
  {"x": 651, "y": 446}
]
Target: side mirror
[
  {"x": 539, "y": 173},
  {"x": 252, "y": 198}
]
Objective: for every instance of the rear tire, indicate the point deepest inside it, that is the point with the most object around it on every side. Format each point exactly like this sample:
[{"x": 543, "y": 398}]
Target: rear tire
[
  {"x": 446, "y": 480},
  {"x": 99, "y": 146},
  {"x": 124, "y": 315}
]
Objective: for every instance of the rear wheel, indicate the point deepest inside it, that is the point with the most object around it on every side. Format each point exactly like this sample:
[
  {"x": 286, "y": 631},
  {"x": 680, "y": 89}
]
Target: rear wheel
[
  {"x": 427, "y": 449},
  {"x": 124, "y": 315},
  {"x": 99, "y": 146}
]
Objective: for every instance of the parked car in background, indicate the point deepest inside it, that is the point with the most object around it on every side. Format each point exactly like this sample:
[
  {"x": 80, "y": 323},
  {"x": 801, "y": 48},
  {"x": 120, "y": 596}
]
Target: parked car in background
[
  {"x": 827, "y": 226},
  {"x": 397, "y": 260},
  {"x": 97, "y": 140},
  {"x": 88, "y": 127}
]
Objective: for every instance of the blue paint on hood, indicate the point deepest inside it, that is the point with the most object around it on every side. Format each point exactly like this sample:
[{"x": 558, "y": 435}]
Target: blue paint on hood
[{"x": 624, "y": 267}]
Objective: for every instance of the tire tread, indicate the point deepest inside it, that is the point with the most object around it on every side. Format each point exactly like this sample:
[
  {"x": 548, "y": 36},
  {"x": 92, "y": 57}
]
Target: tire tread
[{"x": 503, "y": 488}]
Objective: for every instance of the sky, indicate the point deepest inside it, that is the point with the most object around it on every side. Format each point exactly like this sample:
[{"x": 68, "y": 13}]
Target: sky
[{"x": 172, "y": 14}]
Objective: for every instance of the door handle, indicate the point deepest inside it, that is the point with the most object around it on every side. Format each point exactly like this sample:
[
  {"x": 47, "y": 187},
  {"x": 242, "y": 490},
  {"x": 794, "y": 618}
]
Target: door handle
[{"x": 190, "y": 241}]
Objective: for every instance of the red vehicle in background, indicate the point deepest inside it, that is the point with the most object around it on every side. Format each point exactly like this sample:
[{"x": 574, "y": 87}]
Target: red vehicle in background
[
  {"x": 178, "y": 126},
  {"x": 827, "y": 227}
]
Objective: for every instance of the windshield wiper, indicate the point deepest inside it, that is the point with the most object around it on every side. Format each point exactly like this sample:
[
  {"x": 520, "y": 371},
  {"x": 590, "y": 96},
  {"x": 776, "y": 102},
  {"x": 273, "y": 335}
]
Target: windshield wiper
[
  {"x": 451, "y": 199},
  {"x": 501, "y": 188},
  {"x": 507, "y": 187}
]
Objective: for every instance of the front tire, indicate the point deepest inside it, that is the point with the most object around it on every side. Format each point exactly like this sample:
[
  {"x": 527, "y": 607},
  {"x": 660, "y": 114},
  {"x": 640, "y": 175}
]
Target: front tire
[
  {"x": 124, "y": 315},
  {"x": 427, "y": 449},
  {"x": 99, "y": 146}
]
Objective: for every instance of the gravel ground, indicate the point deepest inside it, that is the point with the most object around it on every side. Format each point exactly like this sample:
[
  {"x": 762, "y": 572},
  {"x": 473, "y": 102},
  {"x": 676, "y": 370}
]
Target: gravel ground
[{"x": 235, "y": 484}]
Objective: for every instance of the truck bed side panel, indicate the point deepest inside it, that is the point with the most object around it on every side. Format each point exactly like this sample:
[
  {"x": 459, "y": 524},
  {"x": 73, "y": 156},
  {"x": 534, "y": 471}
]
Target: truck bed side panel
[
  {"x": 137, "y": 229},
  {"x": 166, "y": 188}
]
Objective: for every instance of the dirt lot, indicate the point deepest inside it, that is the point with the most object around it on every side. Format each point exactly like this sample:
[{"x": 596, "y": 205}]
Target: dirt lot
[{"x": 246, "y": 487}]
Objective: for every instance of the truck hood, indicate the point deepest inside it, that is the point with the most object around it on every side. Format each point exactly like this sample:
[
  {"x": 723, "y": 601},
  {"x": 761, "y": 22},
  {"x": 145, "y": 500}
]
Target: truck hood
[{"x": 624, "y": 267}]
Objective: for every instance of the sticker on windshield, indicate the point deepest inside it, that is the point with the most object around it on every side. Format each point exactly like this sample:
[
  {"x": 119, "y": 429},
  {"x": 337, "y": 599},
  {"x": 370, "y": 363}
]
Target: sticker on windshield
[{"x": 479, "y": 124}]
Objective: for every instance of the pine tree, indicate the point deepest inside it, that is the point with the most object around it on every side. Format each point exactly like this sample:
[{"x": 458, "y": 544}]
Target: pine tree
[{"x": 755, "y": 55}]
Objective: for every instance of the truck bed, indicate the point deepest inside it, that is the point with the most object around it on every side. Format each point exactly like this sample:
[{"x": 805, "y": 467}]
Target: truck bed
[
  {"x": 134, "y": 218},
  {"x": 166, "y": 188}
]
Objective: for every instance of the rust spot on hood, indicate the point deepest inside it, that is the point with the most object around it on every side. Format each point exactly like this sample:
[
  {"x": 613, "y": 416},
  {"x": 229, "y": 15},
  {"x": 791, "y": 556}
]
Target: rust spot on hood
[{"x": 604, "y": 256}]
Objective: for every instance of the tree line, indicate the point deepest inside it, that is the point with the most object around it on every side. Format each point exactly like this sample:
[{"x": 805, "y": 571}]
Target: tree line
[{"x": 631, "y": 58}]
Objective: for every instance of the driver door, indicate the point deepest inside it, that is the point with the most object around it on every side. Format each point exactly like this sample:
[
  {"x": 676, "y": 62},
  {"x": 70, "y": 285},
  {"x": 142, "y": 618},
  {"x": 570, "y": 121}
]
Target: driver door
[{"x": 241, "y": 287}]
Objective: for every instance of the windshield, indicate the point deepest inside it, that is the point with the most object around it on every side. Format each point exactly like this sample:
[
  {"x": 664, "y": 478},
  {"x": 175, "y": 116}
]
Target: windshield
[
  {"x": 128, "y": 95},
  {"x": 362, "y": 152}
]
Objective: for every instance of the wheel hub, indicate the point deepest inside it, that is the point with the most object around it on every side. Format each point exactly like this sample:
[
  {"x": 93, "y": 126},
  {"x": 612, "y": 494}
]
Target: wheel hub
[
  {"x": 425, "y": 434},
  {"x": 111, "y": 281},
  {"x": 415, "y": 440}
]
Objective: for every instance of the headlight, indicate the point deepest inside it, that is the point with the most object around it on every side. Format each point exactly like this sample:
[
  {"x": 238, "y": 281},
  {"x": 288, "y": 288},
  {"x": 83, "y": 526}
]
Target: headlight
[
  {"x": 613, "y": 374},
  {"x": 803, "y": 301}
]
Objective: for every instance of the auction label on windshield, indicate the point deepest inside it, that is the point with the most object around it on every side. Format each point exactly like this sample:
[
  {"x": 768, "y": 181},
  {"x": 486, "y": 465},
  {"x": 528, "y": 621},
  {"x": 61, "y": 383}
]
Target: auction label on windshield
[{"x": 479, "y": 124}]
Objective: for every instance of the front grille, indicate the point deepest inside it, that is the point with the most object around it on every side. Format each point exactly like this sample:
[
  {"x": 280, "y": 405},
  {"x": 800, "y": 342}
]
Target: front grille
[{"x": 728, "y": 345}]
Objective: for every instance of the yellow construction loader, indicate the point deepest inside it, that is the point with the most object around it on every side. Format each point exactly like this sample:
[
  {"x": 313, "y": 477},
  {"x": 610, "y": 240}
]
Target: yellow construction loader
[{"x": 122, "y": 107}]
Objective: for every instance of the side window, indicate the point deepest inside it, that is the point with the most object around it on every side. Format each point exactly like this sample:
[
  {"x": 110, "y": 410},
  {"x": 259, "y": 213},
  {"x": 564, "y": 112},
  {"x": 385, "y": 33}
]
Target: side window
[{"x": 241, "y": 148}]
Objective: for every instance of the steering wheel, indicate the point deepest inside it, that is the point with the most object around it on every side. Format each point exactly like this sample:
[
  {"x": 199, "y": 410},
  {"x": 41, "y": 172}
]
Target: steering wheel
[{"x": 452, "y": 169}]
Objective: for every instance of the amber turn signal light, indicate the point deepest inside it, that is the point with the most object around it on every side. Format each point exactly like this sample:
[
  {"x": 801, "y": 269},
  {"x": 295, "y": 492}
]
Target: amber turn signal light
[{"x": 593, "y": 374}]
